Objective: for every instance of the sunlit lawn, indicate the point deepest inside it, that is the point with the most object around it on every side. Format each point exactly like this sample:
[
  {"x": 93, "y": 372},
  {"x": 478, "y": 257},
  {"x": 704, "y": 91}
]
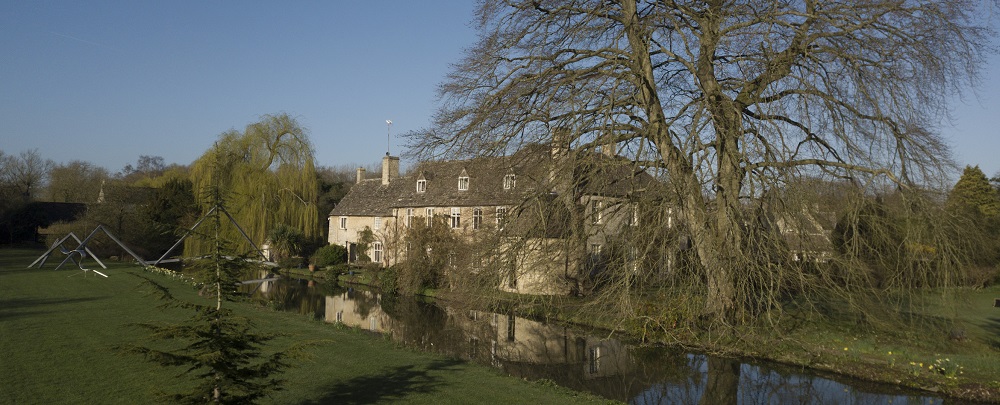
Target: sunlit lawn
[
  {"x": 58, "y": 330},
  {"x": 958, "y": 329}
]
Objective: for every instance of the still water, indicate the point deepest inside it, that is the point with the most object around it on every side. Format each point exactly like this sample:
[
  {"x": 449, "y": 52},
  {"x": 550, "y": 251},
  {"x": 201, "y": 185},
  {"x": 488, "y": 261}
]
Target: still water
[{"x": 574, "y": 358}]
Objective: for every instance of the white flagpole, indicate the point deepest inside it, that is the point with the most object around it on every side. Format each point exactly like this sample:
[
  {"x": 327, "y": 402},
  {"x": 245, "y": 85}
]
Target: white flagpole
[{"x": 388, "y": 129}]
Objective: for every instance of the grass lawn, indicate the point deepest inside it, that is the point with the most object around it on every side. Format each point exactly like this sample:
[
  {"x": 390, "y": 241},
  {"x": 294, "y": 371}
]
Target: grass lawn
[
  {"x": 952, "y": 348},
  {"x": 58, "y": 330}
]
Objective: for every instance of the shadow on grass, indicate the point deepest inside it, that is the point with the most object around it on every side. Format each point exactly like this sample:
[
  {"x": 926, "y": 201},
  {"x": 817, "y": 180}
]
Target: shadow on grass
[
  {"x": 19, "y": 308},
  {"x": 10, "y": 271},
  {"x": 68, "y": 269},
  {"x": 391, "y": 385},
  {"x": 992, "y": 327}
]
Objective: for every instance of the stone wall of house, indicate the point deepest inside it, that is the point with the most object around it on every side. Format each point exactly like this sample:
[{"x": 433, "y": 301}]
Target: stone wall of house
[
  {"x": 466, "y": 218},
  {"x": 540, "y": 267},
  {"x": 344, "y": 232}
]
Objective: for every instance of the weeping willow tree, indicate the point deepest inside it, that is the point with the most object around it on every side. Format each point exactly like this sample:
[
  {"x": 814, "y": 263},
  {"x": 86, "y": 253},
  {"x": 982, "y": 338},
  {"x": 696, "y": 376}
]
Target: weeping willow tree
[
  {"x": 268, "y": 175},
  {"x": 729, "y": 103}
]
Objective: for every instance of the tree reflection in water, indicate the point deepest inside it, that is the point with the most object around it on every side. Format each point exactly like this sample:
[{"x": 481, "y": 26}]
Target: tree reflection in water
[
  {"x": 723, "y": 382},
  {"x": 572, "y": 358}
]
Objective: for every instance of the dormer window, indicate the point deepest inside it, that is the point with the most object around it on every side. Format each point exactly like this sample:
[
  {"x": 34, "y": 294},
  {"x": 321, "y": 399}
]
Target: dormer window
[
  {"x": 463, "y": 181},
  {"x": 421, "y": 186},
  {"x": 509, "y": 181}
]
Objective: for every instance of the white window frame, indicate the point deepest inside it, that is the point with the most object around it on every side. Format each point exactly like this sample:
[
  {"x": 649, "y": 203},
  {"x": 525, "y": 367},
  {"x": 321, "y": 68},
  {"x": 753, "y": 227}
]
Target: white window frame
[
  {"x": 501, "y": 217},
  {"x": 596, "y": 211},
  {"x": 343, "y": 222},
  {"x": 594, "y": 360},
  {"x": 463, "y": 183},
  {"x": 509, "y": 181},
  {"x": 456, "y": 218},
  {"x": 596, "y": 248},
  {"x": 430, "y": 215},
  {"x": 378, "y": 223},
  {"x": 377, "y": 252},
  {"x": 409, "y": 217},
  {"x": 477, "y": 218},
  {"x": 421, "y": 186}
]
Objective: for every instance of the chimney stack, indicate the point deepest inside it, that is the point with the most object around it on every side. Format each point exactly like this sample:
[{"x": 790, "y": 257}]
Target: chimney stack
[
  {"x": 609, "y": 149},
  {"x": 560, "y": 141},
  {"x": 361, "y": 175},
  {"x": 390, "y": 168}
]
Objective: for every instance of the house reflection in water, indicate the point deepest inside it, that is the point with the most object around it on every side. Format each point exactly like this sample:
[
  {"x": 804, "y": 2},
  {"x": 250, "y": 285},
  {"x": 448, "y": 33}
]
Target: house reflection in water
[
  {"x": 520, "y": 346},
  {"x": 514, "y": 340},
  {"x": 607, "y": 367},
  {"x": 358, "y": 309}
]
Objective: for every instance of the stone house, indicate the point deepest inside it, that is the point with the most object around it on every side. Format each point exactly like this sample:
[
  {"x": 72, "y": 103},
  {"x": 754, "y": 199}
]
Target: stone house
[{"x": 524, "y": 208}]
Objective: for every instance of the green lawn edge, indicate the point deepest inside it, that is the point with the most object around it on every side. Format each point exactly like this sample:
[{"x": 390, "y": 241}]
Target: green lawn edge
[{"x": 59, "y": 330}]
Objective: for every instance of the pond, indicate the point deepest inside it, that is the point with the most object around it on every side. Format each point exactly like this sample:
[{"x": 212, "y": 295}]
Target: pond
[{"x": 611, "y": 368}]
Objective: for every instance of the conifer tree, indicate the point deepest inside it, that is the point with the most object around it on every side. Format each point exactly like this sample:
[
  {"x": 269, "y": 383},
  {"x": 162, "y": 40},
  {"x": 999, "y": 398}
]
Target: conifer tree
[
  {"x": 221, "y": 350},
  {"x": 976, "y": 206},
  {"x": 973, "y": 193}
]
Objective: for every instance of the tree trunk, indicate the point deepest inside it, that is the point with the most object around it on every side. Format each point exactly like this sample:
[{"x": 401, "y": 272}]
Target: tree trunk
[
  {"x": 725, "y": 234},
  {"x": 723, "y": 385},
  {"x": 715, "y": 241}
]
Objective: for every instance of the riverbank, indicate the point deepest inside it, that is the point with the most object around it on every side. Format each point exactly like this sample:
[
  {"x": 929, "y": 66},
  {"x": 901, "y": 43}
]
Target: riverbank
[
  {"x": 59, "y": 330},
  {"x": 959, "y": 358}
]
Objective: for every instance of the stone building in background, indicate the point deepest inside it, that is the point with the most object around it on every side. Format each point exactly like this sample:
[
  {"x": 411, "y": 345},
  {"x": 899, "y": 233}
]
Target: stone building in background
[{"x": 543, "y": 214}]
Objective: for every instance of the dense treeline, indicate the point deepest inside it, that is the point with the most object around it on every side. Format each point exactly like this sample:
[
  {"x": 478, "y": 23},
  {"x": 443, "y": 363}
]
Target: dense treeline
[{"x": 149, "y": 204}]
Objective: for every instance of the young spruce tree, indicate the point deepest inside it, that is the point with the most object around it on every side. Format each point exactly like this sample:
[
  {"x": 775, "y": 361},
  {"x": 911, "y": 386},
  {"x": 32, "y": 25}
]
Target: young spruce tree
[{"x": 221, "y": 351}]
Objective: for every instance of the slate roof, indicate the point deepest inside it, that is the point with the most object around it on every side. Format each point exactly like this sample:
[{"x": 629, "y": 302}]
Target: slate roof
[
  {"x": 604, "y": 175},
  {"x": 613, "y": 177},
  {"x": 486, "y": 177},
  {"x": 806, "y": 230},
  {"x": 368, "y": 198}
]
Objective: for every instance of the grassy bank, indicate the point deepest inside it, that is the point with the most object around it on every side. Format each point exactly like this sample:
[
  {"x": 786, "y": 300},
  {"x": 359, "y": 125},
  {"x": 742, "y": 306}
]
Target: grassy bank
[
  {"x": 951, "y": 348},
  {"x": 59, "y": 329}
]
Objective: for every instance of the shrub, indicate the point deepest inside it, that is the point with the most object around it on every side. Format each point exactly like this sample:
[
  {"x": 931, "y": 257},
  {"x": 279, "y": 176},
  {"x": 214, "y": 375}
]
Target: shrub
[
  {"x": 286, "y": 241},
  {"x": 432, "y": 249},
  {"x": 290, "y": 263},
  {"x": 341, "y": 268},
  {"x": 388, "y": 280},
  {"x": 330, "y": 255}
]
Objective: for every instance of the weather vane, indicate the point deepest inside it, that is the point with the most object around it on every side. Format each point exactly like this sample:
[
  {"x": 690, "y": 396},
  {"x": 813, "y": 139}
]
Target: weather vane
[{"x": 388, "y": 129}]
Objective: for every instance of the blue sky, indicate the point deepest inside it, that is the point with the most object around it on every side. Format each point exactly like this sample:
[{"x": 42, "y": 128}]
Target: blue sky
[{"x": 106, "y": 82}]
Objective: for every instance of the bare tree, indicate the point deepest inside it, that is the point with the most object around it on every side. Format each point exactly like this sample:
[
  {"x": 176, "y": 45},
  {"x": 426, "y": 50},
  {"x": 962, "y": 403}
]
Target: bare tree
[
  {"x": 145, "y": 167},
  {"x": 728, "y": 101},
  {"x": 27, "y": 171},
  {"x": 76, "y": 181}
]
